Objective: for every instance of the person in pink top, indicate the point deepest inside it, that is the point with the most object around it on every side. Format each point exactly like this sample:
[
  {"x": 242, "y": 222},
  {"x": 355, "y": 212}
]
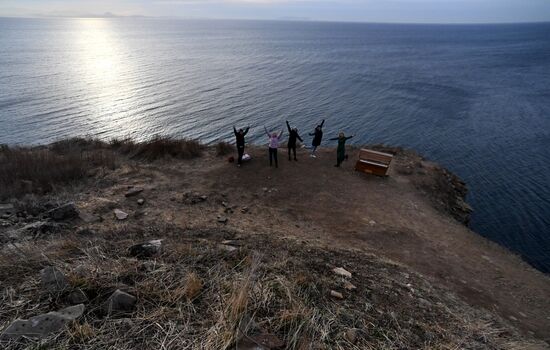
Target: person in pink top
[{"x": 274, "y": 140}]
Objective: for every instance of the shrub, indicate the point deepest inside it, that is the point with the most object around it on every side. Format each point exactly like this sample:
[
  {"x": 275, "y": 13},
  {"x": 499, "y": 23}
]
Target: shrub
[
  {"x": 224, "y": 148},
  {"x": 160, "y": 147},
  {"x": 38, "y": 170}
]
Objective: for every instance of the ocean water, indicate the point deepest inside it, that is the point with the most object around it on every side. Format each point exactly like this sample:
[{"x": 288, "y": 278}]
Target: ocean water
[{"x": 475, "y": 98}]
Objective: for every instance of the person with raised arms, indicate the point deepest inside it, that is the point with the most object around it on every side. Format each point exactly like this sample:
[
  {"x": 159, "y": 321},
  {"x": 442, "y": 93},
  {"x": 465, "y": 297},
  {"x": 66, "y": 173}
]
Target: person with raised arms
[
  {"x": 293, "y": 136},
  {"x": 317, "y": 138},
  {"x": 341, "y": 150},
  {"x": 274, "y": 140}
]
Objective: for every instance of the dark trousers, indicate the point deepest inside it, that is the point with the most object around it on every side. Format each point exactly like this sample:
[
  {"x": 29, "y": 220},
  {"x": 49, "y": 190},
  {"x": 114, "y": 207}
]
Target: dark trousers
[
  {"x": 240, "y": 150},
  {"x": 293, "y": 148},
  {"x": 273, "y": 156}
]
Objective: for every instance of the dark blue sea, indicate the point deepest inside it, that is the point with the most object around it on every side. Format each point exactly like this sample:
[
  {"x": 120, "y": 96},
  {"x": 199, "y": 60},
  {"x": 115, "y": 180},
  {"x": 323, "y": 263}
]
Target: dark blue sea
[{"x": 475, "y": 98}]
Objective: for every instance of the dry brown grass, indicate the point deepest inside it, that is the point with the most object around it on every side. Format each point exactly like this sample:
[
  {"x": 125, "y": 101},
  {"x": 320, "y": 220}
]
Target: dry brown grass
[
  {"x": 40, "y": 170},
  {"x": 197, "y": 295},
  {"x": 224, "y": 148},
  {"x": 159, "y": 147}
]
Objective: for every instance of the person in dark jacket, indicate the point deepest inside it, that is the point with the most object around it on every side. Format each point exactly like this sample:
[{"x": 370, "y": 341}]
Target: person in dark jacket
[
  {"x": 317, "y": 138},
  {"x": 239, "y": 136},
  {"x": 341, "y": 150},
  {"x": 292, "y": 137}
]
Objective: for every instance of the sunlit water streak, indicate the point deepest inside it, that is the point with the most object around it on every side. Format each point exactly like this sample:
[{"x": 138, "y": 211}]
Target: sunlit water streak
[{"x": 474, "y": 98}]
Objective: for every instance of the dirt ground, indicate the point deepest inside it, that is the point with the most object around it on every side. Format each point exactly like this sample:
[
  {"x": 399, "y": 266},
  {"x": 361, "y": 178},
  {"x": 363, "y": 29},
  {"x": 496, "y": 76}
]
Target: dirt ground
[
  {"x": 401, "y": 218},
  {"x": 339, "y": 207}
]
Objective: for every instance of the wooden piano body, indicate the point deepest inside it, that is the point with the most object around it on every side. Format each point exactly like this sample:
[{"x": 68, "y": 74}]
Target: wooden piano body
[{"x": 373, "y": 162}]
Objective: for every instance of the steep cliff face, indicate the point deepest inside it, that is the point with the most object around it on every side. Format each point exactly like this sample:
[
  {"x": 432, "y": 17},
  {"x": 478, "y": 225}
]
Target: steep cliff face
[{"x": 446, "y": 190}]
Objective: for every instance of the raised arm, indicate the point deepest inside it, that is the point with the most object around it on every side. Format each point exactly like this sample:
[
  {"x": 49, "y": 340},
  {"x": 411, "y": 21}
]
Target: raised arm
[
  {"x": 234, "y": 130},
  {"x": 281, "y": 134},
  {"x": 349, "y": 137},
  {"x": 288, "y": 126},
  {"x": 246, "y": 130},
  {"x": 322, "y": 123}
]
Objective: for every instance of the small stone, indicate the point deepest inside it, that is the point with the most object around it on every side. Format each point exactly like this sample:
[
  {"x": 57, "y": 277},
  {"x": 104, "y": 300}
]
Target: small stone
[
  {"x": 349, "y": 286},
  {"x": 203, "y": 197},
  {"x": 512, "y": 318},
  {"x": 244, "y": 210},
  {"x": 351, "y": 335},
  {"x": 336, "y": 294},
  {"x": 64, "y": 212},
  {"x": 147, "y": 249},
  {"x": 265, "y": 189},
  {"x": 120, "y": 215},
  {"x": 89, "y": 218},
  {"x": 133, "y": 192},
  {"x": 228, "y": 248},
  {"x": 222, "y": 220},
  {"x": 341, "y": 272},
  {"x": 53, "y": 280},
  {"x": 77, "y": 296},
  {"x": 141, "y": 201},
  {"x": 42, "y": 325},
  {"x": 7, "y": 210},
  {"x": 119, "y": 302}
]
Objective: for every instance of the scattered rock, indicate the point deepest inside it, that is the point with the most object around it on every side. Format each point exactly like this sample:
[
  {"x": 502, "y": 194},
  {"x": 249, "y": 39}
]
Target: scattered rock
[
  {"x": 349, "y": 286},
  {"x": 351, "y": 335},
  {"x": 35, "y": 228},
  {"x": 336, "y": 294},
  {"x": 53, "y": 280},
  {"x": 194, "y": 198},
  {"x": 120, "y": 215},
  {"x": 222, "y": 220},
  {"x": 86, "y": 232},
  {"x": 244, "y": 210},
  {"x": 141, "y": 201},
  {"x": 77, "y": 296},
  {"x": 64, "y": 212},
  {"x": 231, "y": 242},
  {"x": 42, "y": 325},
  {"x": 133, "y": 192},
  {"x": 228, "y": 248},
  {"x": 147, "y": 249},
  {"x": 263, "y": 341},
  {"x": 89, "y": 218},
  {"x": 341, "y": 271},
  {"x": 7, "y": 209},
  {"x": 119, "y": 302}
]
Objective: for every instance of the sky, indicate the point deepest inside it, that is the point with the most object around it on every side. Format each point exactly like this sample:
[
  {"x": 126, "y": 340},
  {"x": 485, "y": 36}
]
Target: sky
[{"x": 403, "y": 11}]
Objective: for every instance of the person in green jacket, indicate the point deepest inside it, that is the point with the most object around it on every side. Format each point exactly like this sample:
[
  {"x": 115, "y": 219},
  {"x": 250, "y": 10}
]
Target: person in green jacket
[{"x": 341, "y": 150}]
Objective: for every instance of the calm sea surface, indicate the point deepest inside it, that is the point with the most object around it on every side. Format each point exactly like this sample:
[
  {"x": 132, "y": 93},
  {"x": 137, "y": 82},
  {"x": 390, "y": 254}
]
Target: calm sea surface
[{"x": 474, "y": 98}]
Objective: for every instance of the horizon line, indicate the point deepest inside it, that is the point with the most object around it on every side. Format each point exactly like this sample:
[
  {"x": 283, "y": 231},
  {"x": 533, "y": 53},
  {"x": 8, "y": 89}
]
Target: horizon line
[{"x": 283, "y": 19}]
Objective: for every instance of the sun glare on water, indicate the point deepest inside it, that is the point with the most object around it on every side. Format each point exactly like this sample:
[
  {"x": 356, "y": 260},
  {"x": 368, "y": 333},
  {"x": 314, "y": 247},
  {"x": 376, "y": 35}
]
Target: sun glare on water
[{"x": 98, "y": 51}]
